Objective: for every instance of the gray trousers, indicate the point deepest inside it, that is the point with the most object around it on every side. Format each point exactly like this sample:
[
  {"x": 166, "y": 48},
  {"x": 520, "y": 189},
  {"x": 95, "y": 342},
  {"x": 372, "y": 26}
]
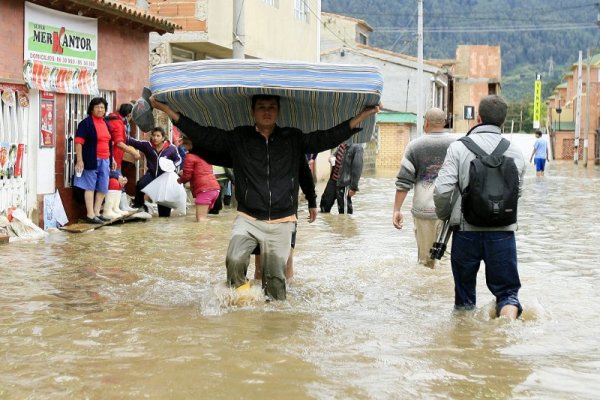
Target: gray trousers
[{"x": 274, "y": 241}]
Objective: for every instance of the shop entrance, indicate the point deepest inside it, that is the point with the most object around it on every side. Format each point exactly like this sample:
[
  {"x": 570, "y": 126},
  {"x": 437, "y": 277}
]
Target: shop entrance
[{"x": 75, "y": 111}]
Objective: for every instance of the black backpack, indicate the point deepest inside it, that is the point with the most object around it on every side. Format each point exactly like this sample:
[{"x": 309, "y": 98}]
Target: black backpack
[{"x": 490, "y": 199}]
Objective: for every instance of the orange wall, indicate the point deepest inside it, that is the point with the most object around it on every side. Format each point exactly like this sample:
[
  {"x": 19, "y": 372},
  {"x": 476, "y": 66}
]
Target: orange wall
[
  {"x": 180, "y": 12},
  {"x": 11, "y": 43},
  {"x": 123, "y": 60}
]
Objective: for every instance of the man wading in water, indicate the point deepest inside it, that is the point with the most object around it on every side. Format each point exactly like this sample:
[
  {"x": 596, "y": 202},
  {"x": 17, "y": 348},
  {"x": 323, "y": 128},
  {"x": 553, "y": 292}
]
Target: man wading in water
[{"x": 265, "y": 164}]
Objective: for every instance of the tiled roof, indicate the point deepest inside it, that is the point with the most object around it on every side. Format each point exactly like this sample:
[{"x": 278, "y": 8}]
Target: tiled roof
[{"x": 115, "y": 8}]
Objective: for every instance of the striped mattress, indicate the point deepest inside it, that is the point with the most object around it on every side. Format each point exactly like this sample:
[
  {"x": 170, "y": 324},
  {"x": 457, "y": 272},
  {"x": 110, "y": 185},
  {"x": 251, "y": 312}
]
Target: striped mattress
[{"x": 313, "y": 96}]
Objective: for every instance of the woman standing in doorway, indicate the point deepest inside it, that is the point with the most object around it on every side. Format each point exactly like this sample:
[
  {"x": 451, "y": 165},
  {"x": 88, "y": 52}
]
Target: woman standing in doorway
[{"x": 93, "y": 150}]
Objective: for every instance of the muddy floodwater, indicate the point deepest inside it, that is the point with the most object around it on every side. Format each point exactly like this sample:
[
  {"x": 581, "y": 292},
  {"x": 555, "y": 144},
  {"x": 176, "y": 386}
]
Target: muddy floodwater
[{"x": 140, "y": 310}]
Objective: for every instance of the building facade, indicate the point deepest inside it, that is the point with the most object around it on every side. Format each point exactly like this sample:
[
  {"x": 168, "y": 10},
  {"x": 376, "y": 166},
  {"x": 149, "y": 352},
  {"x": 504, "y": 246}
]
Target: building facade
[
  {"x": 61, "y": 54},
  {"x": 345, "y": 40},
  {"x": 476, "y": 73},
  {"x": 568, "y": 137},
  {"x": 269, "y": 29}
]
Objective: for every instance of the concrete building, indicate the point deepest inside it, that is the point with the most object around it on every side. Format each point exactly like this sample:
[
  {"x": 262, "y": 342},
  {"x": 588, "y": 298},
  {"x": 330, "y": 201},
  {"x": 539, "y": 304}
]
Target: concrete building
[
  {"x": 269, "y": 29},
  {"x": 562, "y": 113},
  {"x": 101, "y": 48},
  {"x": 454, "y": 85},
  {"x": 345, "y": 40},
  {"x": 343, "y": 31},
  {"x": 476, "y": 73}
]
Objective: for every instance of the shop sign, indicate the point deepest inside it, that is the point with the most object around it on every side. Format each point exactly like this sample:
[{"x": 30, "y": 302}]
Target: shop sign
[{"x": 61, "y": 51}]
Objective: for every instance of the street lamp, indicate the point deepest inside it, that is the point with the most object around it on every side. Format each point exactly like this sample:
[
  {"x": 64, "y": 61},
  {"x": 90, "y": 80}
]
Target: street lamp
[{"x": 558, "y": 111}]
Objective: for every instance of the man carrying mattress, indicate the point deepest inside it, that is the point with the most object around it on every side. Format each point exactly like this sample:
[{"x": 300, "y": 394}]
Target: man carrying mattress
[{"x": 265, "y": 164}]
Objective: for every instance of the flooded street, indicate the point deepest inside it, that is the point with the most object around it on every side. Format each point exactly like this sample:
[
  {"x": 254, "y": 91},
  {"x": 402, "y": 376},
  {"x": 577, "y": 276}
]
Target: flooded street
[{"x": 140, "y": 310}]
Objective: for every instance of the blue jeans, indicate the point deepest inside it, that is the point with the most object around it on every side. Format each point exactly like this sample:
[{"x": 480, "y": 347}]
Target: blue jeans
[{"x": 498, "y": 250}]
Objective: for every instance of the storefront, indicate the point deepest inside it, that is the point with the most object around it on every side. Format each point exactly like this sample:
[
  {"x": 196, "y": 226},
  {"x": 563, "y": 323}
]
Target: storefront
[{"x": 60, "y": 54}]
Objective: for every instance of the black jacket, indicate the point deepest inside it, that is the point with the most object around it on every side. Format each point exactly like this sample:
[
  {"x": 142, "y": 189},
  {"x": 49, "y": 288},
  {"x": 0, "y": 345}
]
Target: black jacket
[{"x": 266, "y": 171}]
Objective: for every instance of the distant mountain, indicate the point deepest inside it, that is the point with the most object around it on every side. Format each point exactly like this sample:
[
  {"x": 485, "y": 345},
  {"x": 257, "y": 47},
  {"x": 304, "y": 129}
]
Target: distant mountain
[{"x": 535, "y": 36}]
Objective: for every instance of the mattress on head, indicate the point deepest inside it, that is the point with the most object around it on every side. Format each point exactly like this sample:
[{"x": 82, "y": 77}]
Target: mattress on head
[{"x": 313, "y": 96}]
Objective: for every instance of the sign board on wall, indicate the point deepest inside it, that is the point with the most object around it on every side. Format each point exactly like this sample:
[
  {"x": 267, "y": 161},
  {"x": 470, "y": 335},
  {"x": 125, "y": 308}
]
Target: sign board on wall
[
  {"x": 61, "y": 51},
  {"x": 47, "y": 115},
  {"x": 469, "y": 112}
]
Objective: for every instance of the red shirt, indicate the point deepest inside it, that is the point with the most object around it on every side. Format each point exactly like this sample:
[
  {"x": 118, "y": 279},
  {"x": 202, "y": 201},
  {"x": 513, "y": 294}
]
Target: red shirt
[
  {"x": 118, "y": 133},
  {"x": 103, "y": 138}
]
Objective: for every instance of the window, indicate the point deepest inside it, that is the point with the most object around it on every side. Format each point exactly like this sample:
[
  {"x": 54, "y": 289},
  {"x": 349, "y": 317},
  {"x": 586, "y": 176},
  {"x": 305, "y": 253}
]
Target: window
[
  {"x": 362, "y": 38},
  {"x": 178, "y": 54},
  {"x": 272, "y": 3},
  {"x": 301, "y": 10}
]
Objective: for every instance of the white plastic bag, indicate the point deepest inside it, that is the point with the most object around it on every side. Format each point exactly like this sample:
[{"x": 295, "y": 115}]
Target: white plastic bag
[{"x": 166, "y": 191}]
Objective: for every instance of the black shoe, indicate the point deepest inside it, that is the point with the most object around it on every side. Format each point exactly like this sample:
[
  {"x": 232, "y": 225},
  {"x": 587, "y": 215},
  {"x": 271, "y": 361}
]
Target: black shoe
[
  {"x": 103, "y": 218},
  {"x": 94, "y": 220}
]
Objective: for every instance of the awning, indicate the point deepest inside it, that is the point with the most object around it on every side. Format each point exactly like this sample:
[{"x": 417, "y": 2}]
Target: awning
[{"x": 313, "y": 96}]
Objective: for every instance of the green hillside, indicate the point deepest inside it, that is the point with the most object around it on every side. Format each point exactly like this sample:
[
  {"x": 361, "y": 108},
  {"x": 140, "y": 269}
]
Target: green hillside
[{"x": 535, "y": 36}]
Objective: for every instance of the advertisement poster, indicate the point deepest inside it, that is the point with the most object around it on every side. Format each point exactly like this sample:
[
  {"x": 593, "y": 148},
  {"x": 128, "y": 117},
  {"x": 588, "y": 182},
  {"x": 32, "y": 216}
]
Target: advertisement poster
[
  {"x": 12, "y": 159},
  {"x": 60, "y": 51},
  {"x": 47, "y": 137},
  {"x": 54, "y": 211},
  {"x": 19, "y": 161},
  {"x": 4, "y": 160}
]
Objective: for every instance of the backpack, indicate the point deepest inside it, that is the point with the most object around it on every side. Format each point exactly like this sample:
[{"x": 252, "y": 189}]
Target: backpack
[{"x": 490, "y": 199}]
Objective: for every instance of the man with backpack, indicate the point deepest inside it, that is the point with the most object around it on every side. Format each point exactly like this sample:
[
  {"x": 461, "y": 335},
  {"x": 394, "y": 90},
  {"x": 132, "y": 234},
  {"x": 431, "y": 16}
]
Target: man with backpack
[{"x": 477, "y": 189}]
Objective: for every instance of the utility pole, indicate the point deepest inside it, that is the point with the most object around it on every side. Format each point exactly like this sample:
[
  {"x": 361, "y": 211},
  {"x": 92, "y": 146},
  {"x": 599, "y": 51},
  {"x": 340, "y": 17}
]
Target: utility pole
[
  {"x": 578, "y": 108},
  {"x": 420, "y": 92},
  {"x": 586, "y": 131},
  {"x": 237, "y": 46}
]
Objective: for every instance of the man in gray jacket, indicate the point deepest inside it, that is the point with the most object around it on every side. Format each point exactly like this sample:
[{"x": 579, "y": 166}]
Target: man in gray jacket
[
  {"x": 422, "y": 160},
  {"x": 496, "y": 246},
  {"x": 344, "y": 177}
]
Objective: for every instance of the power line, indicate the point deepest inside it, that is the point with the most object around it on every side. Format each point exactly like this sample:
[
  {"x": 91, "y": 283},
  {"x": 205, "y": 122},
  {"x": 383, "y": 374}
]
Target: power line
[
  {"x": 318, "y": 17},
  {"x": 489, "y": 29},
  {"x": 474, "y": 15}
]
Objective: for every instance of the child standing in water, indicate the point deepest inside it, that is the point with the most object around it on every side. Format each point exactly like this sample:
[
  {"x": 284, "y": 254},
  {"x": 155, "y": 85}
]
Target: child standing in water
[{"x": 204, "y": 185}]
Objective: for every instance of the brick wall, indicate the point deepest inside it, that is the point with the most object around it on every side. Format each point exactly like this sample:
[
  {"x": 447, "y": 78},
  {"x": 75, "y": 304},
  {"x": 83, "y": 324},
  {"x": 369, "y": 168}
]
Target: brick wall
[
  {"x": 180, "y": 12},
  {"x": 564, "y": 146},
  {"x": 568, "y": 149},
  {"x": 393, "y": 139}
]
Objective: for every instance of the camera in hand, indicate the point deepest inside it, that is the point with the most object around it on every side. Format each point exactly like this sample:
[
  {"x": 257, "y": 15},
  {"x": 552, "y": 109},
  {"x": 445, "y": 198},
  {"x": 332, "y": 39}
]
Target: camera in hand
[{"x": 439, "y": 246}]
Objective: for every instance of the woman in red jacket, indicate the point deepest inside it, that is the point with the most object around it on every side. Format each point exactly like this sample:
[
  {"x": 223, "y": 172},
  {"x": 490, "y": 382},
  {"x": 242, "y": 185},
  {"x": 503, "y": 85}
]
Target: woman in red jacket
[{"x": 204, "y": 185}]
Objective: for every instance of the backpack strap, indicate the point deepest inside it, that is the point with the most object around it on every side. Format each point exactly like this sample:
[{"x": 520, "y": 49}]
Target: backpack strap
[
  {"x": 475, "y": 149},
  {"x": 472, "y": 146},
  {"x": 501, "y": 148}
]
